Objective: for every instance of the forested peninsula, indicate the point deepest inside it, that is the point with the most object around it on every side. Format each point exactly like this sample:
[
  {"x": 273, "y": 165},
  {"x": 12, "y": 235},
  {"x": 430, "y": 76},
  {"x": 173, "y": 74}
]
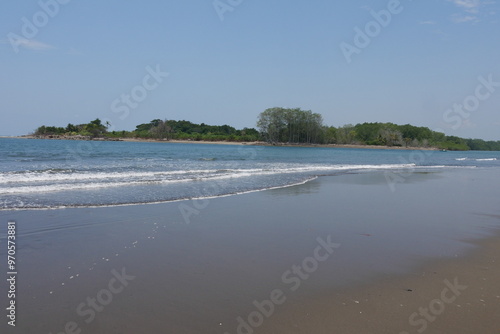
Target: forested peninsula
[{"x": 275, "y": 126}]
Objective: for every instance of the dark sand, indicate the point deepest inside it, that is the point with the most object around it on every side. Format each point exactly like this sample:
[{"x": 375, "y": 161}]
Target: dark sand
[{"x": 201, "y": 272}]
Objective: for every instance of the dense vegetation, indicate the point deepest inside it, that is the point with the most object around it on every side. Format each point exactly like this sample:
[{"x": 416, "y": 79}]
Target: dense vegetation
[
  {"x": 186, "y": 130},
  {"x": 412, "y": 136},
  {"x": 280, "y": 126},
  {"x": 92, "y": 129},
  {"x": 156, "y": 129}
]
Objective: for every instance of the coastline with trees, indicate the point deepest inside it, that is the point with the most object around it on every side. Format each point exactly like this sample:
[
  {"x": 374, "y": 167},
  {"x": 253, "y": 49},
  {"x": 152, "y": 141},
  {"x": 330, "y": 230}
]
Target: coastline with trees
[{"x": 275, "y": 126}]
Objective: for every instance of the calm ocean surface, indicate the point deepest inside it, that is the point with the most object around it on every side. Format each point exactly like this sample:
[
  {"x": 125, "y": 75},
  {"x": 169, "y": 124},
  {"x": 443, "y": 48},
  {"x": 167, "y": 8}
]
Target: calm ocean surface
[{"x": 41, "y": 174}]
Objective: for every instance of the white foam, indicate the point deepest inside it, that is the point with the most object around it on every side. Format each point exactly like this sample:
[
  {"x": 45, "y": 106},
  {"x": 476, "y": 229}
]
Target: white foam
[
  {"x": 29, "y": 177},
  {"x": 155, "y": 202},
  {"x": 54, "y": 182},
  {"x": 89, "y": 176}
]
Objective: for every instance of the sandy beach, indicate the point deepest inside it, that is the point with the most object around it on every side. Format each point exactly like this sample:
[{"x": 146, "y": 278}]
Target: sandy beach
[
  {"x": 340, "y": 254},
  {"x": 255, "y": 143},
  {"x": 459, "y": 295},
  {"x": 235, "y": 167}
]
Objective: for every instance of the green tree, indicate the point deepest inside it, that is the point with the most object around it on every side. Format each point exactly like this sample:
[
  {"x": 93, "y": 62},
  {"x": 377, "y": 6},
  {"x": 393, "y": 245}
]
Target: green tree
[
  {"x": 71, "y": 128},
  {"x": 161, "y": 130},
  {"x": 95, "y": 128},
  {"x": 280, "y": 125}
]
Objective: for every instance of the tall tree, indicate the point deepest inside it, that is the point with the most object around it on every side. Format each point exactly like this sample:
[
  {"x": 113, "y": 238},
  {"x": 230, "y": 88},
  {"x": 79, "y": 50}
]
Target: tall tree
[
  {"x": 291, "y": 125},
  {"x": 161, "y": 130}
]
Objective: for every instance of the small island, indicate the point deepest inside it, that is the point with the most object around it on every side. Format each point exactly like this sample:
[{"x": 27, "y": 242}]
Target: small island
[{"x": 278, "y": 127}]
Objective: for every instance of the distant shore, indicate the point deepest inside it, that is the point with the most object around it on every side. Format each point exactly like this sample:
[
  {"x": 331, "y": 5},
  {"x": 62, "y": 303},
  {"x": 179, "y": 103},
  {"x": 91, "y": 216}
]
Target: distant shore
[{"x": 254, "y": 143}]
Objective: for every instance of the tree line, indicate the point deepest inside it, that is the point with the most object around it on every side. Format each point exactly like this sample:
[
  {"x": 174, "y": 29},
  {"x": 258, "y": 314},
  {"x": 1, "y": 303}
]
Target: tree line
[
  {"x": 156, "y": 129},
  {"x": 185, "y": 130},
  {"x": 279, "y": 126},
  {"x": 296, "y": 126},
  {"x": 94, "y": 128}
]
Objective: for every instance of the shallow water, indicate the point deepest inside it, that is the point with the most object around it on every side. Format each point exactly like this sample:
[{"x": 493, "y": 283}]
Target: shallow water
[{"x": 41, "y": 174}]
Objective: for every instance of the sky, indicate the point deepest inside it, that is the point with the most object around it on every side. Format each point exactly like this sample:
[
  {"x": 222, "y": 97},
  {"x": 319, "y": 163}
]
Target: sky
[{"x": 432, "y": 63}]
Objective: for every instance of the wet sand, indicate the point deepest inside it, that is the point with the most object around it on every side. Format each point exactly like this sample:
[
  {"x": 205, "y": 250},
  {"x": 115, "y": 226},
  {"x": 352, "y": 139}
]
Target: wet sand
[
  {"x": 335, "y": 255},
  {"x": 460, "y": 295}
]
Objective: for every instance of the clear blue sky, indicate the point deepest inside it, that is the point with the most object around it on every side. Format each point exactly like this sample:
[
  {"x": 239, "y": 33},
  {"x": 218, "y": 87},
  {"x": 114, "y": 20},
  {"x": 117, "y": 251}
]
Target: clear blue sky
[{"x": 84, "y": 56}]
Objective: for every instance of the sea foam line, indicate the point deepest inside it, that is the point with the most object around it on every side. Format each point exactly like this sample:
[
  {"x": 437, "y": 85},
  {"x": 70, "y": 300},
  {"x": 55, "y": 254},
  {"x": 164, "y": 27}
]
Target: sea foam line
[
  {"x": 159, "y": 176},
  {"x": 310, "y": 178},
  {"x": 58, "y": 207},
  {"x": 485, "y": 159}
]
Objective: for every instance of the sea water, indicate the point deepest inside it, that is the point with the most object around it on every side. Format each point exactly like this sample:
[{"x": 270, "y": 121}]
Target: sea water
[{"x": 47, "y": 174}]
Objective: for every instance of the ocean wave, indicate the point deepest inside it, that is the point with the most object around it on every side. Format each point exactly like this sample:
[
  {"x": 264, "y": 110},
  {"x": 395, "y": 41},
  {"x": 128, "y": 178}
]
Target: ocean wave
[
  {"x": 20, "y": 205},
  {"x": 52, "y": 181},
  {"x": 53, "y": 175},
  {"x": 481, "y": 159},
  {"x": 50, "y": 176}
]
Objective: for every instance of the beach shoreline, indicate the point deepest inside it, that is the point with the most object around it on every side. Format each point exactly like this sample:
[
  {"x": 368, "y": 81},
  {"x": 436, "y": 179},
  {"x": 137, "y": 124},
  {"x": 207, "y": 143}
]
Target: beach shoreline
[
  {"x": 200, "y": 266},
  {"x": 255, "y": 143}
]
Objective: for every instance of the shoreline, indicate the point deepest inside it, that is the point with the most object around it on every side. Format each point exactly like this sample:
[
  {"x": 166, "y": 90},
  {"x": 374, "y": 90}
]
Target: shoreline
[
  {"x": 198, "y": 269},
  {"x": 255, "y": 143}
]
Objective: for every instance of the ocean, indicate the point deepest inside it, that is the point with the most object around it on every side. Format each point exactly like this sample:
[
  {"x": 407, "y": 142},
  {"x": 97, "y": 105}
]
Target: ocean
[{"x": 51, "y": 174}]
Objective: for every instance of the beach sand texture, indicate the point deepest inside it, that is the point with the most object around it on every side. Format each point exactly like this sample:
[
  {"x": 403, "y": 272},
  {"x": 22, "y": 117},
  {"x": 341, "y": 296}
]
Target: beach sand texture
[{"x": 340, "y": 254}]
